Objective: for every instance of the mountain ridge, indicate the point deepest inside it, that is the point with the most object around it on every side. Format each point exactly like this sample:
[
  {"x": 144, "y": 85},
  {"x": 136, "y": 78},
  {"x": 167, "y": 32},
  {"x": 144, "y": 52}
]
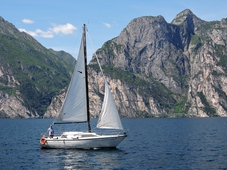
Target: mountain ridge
[
  {"x": 30, "y": 74},
  {"x": 156, "y": 69}
]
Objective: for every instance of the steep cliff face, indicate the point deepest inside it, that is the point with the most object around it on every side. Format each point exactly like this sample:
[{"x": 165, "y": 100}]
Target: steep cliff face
[
  {"x": 207, "y": 85},
  {"x": 155, "y": 68},
  {"x": 12, "y": 107},
  {"x": 161, "y": 69},
  {"x": 55, "y": 105}
]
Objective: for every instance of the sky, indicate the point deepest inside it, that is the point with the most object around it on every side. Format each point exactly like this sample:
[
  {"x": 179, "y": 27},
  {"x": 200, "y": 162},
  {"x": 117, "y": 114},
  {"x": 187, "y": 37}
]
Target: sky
[{"x": 57, "y": 24}]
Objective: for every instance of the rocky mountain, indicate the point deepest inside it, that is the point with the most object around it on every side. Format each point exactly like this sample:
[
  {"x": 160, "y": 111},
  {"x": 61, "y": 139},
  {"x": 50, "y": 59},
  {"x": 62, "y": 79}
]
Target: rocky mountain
[
  {"x": 154, "y": 69},
  {"x": 30, "y": 74},
  {"x": 172, "y": 69}
]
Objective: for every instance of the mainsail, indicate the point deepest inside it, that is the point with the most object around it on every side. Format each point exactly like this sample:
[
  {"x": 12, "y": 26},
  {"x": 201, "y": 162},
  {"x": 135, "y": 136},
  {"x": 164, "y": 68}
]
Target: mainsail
[{"x": 74, "y": 108}]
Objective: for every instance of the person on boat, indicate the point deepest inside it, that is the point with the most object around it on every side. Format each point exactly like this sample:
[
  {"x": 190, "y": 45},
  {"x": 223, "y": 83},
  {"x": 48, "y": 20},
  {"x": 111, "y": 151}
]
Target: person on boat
[{"x": 50, "y": 131}]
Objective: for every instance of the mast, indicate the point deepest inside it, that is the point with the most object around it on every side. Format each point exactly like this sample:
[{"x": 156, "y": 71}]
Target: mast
[{"x": 86, "y": 77}]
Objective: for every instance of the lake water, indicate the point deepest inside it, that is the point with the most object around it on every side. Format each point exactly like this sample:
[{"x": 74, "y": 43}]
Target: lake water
[{"x": 152, "y": 143}]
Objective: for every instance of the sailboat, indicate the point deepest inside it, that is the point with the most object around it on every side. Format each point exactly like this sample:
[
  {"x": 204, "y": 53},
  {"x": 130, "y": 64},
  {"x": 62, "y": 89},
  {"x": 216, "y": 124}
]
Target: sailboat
[{"x": 75, "y": 109}]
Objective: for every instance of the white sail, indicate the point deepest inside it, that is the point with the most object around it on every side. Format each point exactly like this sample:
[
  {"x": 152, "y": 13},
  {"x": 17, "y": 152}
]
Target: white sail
[
  {"x": 75, "y": 106},
  {"x": 109, "y": 117}
]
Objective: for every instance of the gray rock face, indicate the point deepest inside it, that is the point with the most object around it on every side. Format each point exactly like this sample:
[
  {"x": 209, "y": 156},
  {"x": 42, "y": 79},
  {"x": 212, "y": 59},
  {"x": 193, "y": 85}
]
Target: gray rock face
[
  {"x": 187, "y": 57},
  {"x": 155, "y": 68},
  {"x": 11, "y": 107},
  {"x": 55, "y": 106}
]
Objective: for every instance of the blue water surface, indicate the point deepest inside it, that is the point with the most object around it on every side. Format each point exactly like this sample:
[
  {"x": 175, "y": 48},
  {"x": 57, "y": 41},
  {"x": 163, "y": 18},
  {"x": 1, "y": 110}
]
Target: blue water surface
[{"x": 152, "y": 143}]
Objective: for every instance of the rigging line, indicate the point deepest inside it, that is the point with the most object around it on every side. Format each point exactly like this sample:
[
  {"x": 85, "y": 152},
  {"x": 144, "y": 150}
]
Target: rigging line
[{"x": 95, "y": 54}]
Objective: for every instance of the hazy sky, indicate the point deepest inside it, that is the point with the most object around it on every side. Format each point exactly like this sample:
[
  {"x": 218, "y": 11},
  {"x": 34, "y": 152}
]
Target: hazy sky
[{"x": 57, "y": 24}]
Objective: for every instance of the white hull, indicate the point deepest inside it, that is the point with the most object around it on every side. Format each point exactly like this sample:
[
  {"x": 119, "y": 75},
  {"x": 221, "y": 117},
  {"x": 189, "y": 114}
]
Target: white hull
[{"x": 82, "y": 140}]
